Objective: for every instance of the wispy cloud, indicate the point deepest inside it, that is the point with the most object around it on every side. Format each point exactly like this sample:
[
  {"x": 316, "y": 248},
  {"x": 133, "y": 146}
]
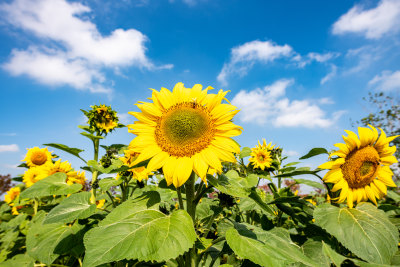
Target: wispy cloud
[
  {"x": 125, "y": 118},
  {"x": 314, "y": 57},
  {"x": 330, "y": 75},
  {"x": 372, "y": 23},
  {"x": 76, "y": 52},
  {"x": 387, "y": 81},
  {"x": 290, "y": 153},
  {"x": 9, "y": 148},
  {"x": 270, "y": 105},
  {"x": 243, "y": 57}
]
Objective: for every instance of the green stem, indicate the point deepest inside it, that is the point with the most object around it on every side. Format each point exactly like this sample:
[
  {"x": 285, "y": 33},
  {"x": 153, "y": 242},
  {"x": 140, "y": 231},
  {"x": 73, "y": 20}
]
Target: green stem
[
  {"x": 112, "y": 198},
  {"x": 191, "y": 209},
  {"x": 178, "y": 190},
  {"x": 96, "y": 143},
  {"x": 35, "y": 206},
  {"x": 209, "y": 224}
]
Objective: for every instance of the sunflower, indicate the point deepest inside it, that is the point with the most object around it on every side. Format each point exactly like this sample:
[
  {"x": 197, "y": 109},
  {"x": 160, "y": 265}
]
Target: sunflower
[
  {"x": 32, "y": 175},
  {"x": 12, "y": 194},
  {"x": 102, "y": 118},
  {"x": 37, "y": 156},
  {"x": 138, "y": 173},
  {"x": 261, "y": 155},
  {"x": 72, "y": 176},
  {"x": 185, "y": 130},
  {"x": 361, "y": 169}
]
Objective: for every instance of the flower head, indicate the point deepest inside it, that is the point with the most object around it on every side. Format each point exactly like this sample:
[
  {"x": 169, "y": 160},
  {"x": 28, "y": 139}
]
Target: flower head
[
  {"x": 102, "y": 119},
  {"x": 185, "y": 130},
  {"x": 361, "y": 170},
  {"x": 37, "y": 156},
  {"x": 32, "y": 175},
  {"x": 12, "y": 194},
  {"x": 138, "y": 173},
  {"x": 261, "y": 155},
  {"x": 65, "y": 167}
]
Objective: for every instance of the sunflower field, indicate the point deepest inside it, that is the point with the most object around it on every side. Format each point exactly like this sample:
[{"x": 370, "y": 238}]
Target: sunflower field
[{"x": 183, "y": 192}]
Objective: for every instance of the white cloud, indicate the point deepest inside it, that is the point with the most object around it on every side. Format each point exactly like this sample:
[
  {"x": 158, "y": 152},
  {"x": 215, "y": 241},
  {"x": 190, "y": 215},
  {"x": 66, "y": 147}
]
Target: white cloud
[
  {"x": 372, "y": 23},
  {"x": 270, "y": 105},
  {"x": 387, "y": 81},
  {"x": 9, "y": 148},
  {"x": 313, "y": 56},
  {"x": 82, "y": 51},
  {"x": 330, "y": 75},
  {"x": 243, "y": 57},
  {"x": 290, "y": 153}
]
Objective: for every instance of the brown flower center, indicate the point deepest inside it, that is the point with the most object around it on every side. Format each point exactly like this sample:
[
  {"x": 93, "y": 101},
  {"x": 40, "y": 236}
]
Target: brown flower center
[
  {"x": 360, "y": 167},
  {"x": 184, "y": 129},
  {"x": 39, "y": 158}
]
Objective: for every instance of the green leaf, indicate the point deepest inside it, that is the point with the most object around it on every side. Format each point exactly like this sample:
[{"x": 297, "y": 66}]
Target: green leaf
[
  {"x": 366, "y": 231},
  {"x": 70, "y": 150},
  {"x": 116, "y": 166},
  {"x": 314, "y": 152},
  {"x": 53, "y": 185},
  {"x": 106, "y": 183},
  {"x": 43, "y": 239},
  {"x": 393, "y": 195},
  {"x": 335, "y": 257},
  {"x": 20, "y": 260},
  {"x": 298, "y": 171},
  {"x": 313, "y": 250},
  {"x": 246, "y": 151},
  {"x": 77, "y": 206},
  {"x": 233, "y": 185},
  {"x": 310, "y": 183},
  {"x": 91, "y": 136},
  {"x": 146, "y": 235},
  {"x": 266, "y": 248}
]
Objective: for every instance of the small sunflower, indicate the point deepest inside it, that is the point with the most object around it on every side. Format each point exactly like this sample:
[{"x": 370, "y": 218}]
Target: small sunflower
[
  {"x": 361, "y": 169},
  {"x": 102, "y": 119},
  {"x": 32, "y": 175},
  {"x": 72, "y": 176},
  {"x": 12, "y": 194},
  {"x": 185, "y": 130},
  {"x": 261, "y": 155},
  {"x": 138, "y": 173},
  {"x": 37, "y": 156}
]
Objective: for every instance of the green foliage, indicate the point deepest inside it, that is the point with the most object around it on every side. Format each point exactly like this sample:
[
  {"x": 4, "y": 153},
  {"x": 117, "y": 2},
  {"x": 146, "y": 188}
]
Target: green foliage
[
  {"x": 314, "y": 152},
  {"x": 53, "y": 185},
  {"x": 70, "y": 150},
  {"x": 77, "y": 206},
  {"x": 365, "y": 230}
]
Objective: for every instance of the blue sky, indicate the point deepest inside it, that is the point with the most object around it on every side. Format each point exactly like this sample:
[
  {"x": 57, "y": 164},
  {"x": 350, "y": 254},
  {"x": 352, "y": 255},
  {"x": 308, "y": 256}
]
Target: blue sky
[{"x": 297, "y": 69}]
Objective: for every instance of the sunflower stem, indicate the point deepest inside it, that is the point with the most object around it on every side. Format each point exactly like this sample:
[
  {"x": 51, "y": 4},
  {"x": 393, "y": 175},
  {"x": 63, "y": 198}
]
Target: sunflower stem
[
  {"x": 191, "y": 209},
  {"x": 178, "y": 190},
  {"x": 96, "y": 143}
]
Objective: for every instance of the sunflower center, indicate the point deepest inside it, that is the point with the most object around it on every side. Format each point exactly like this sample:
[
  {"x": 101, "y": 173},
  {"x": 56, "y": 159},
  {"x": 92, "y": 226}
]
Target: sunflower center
[
  {"x": 184, "y": 129},
  {"x": 360, "y": 167},
  {"x": 38, "y": 158}
]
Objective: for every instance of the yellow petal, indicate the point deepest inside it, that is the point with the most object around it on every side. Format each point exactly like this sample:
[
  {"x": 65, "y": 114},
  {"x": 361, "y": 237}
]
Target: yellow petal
[
  {"x": 350, "y": 198},
  {"x": 389, "y": 160},
  {"x": 333, "y": 176},
  {"x": 385, "y": 176},
  {"x": 169, "y": 169},
  {"x": 147, "y": 153},
  {"x": 339, "y": 185},
  {"x": 211, "y": 159},
  {"x": 332, "y": 164},
  {"x": 344, "y": 192},
  {"x": 370, "y": 194},
  {"x": 183, "y": 170},
  {"x": 381, "y": 186},
  {"x": 366, "y": 136},
  {"x": 200, "y": 166},
  {"x": 353, "y": 137},
  {"x": 158, "y": 161}
]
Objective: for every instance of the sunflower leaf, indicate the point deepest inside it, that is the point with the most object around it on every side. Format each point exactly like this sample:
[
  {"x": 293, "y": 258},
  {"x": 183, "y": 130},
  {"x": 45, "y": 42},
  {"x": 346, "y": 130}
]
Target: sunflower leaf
[
  {"x": 246, "y": 151},
  {"x": 310, "y": 183},
  {"x": 314, "y": 152},
  {"x": 266, "y": 248},
  {"x": 52, "y": 185},
  {"x": 70, "y": 150},
  {"x": 106, "y": 183},
  {"x": 77, "y": 206},
  {"x": 366, "y": 231},
  {"x": 146, "y": 235}
]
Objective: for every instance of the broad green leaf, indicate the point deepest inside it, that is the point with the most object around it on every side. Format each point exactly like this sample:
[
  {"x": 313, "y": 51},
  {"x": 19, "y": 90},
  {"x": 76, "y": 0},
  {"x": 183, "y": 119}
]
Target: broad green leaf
[
  {"x": 246, "y": 151},
  {"x": 335, "y": 257},
  {"x": 298, "y": 171},
  {"x": 310, "y": 183},
  {"x": 53, "y": 185},
  {"x": 20, "y": 260},
  {"x": 365, "y": 230},
  {"x": 148, "y": 200},
  {"x": 266, "y": 248},
  {"x": 91, "y": 136},
  {"x": 8, "y": 239},
  {"x": 393, "y": 195},
  {"x": 70, "y": 150},
  {"x": 314, "y": 152},
  {"x": 291, "y": 164},
  {"x": 146, "y": 235},
  {"x": 77, "y": 206},
  {"x": 43, "y": 239},
  {"x": 106, "y": 183},
  {"x": 234, "y": 185},
  {"x": 313, "y": 249}
]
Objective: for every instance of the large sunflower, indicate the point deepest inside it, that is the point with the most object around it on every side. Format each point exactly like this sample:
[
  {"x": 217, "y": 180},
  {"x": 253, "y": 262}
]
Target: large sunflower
[
  {"x": 261, "y": 155},
  {"x": 361, "y": 169},
  {"x": 185, "y": 130},
  {"x": 37, "y": 156}
]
